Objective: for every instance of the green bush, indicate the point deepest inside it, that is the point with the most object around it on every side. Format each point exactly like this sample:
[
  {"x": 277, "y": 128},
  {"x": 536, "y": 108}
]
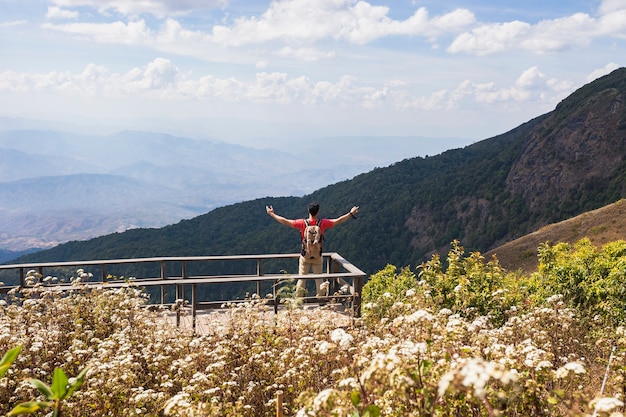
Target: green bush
[
  {"x": 590, "y": 280},
  {"x": 471, "y": 287},
  {"x": 384, "y": 289}
]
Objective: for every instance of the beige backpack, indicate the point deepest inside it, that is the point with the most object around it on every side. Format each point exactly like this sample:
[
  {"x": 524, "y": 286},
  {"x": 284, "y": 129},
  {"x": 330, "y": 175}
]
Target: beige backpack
[{"x": 313, "y": 240}]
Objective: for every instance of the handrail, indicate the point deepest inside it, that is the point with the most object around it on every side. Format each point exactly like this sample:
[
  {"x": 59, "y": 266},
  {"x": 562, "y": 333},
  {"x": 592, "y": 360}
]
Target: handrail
[{"x": 337, "y": 270}]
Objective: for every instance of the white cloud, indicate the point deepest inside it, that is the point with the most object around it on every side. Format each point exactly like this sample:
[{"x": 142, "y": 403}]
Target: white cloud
[
  {"x": 159, "y": 8},
  {"x": 613, "y": 24},
  {"x": 163, "y": 80},
  {"x": 12, "y": 23},
  {"x": 489, "y": 39},
  {"x": 346, "y": 20},
  {"x": 576, "y": 30},
  {"x": 304, "y": 54},
  {"x": 531, "y": 78},
  {"x": 58, "y": 13},
  {"x": 608, "y": 6},
  {"x": 602, "y": 71},
  {"x": 297, "y": 22},
  {"x": 553, "y": 35},
  {"x": 135, "y": 32}
]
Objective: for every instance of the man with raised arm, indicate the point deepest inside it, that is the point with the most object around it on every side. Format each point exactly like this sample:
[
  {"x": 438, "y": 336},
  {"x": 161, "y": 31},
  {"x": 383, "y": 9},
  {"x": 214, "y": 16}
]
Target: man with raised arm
[{"x": 311, "y": 261}]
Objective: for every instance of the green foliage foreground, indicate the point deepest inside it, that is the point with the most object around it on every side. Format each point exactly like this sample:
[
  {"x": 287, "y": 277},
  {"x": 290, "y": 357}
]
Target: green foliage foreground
[{"x": 466, "y": 340}]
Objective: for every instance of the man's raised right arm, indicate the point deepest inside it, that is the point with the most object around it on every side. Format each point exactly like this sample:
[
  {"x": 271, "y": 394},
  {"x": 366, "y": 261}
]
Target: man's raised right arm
[{"x": 279, "y": 219}]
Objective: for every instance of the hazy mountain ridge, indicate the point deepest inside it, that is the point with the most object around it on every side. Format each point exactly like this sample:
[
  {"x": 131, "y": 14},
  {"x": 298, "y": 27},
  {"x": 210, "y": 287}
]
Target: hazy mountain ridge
[{"x": 100, "y": 184}]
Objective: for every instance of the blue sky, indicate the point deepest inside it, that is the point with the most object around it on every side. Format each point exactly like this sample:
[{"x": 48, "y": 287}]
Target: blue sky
[{"x": 273, "y": 73}]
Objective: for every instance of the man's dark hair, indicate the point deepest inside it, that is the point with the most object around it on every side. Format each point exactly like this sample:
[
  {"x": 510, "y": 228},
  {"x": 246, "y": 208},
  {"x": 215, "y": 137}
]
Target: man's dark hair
[{"x": 314, "y": 208}]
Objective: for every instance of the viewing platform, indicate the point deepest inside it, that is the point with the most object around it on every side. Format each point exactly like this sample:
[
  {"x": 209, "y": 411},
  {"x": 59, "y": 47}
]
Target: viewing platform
[{"x": 185, "y": 281}]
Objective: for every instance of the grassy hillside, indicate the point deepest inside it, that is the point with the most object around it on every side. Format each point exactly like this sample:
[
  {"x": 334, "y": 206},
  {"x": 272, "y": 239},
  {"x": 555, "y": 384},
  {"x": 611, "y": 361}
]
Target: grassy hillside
[{"x": 603, "y": 225}]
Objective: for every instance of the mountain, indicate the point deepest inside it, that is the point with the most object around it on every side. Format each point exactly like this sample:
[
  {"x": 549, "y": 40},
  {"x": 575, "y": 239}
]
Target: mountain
[
  {"x": 556, "y": 166},
  {"x": 57, "y": 186},
  {"x": 600, "y": 226},
  {"x": 83, "y": 202}
]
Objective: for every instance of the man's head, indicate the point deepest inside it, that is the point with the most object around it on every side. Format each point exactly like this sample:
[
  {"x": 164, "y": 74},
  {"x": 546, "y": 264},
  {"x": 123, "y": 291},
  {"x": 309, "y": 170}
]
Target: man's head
[{"x": 313, "y": 209}]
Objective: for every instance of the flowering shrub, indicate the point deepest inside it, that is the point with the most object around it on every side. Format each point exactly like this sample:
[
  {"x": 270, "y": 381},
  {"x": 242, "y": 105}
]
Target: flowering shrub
[
  {"x": 502, "y": 345},
  {"x": 591, "y": 280}
]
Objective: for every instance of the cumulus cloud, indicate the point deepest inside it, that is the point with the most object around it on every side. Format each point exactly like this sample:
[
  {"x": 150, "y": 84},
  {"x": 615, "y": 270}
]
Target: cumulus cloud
[
  {"x": 164, "y": 80},
  {"x": 298, "y": 23},
  {"x": 602, "y": 71},
  {"x": 356, "y": 22},
  {"x": 488, "y": 39},
  {"x": 550, "y": 35}
]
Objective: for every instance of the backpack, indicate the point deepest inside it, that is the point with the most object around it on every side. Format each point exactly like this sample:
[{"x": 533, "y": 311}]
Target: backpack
[{"x": 313, "y": 240}]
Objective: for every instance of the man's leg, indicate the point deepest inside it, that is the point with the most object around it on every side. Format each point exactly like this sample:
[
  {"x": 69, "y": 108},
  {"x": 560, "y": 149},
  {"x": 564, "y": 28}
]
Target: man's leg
[
  {"x": 317, "y": 266},
  {"x": 303, "y": 269}
]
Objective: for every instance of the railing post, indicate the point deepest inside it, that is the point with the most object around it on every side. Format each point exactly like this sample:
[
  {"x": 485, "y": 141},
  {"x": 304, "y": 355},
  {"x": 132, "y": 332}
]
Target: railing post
[
  {"x": 163, "y": 277},
  {"x": 333, "y": 267},
  {"x": 358, "y": 287},
  {"x": 193, "y": 306},
  {"x": 279, "y": 403},
  {"x": 104, "y": 272},
  {"x": 259, "y": 272}
]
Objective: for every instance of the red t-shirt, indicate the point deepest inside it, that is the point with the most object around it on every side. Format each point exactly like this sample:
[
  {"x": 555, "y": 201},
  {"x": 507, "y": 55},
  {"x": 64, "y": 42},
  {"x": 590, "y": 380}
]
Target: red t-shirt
[{"x": 322, "y": 223}]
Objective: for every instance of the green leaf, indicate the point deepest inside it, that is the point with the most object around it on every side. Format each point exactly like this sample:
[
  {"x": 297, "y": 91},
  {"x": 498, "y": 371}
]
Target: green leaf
[
  {"x": 59, "y": 383},
  {"x": 42, "y": 387},
  {"x": 76, "y": 383},
  {"x": 8, "y": 359},
  {"x": 426, "y": 366},
  {"x": 28, "y": 408},
  {"x": 371, "y": 411},
  {"x": 356, "y": 398}
]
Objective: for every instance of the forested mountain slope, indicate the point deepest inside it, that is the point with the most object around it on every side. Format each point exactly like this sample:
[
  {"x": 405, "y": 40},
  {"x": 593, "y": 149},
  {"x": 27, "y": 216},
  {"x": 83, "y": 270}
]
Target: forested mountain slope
[{"x": 551, "y": 168}]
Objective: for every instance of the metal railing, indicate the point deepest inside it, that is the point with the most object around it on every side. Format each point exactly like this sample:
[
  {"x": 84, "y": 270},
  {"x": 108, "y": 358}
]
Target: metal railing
[{"x": 337, "y": 271}]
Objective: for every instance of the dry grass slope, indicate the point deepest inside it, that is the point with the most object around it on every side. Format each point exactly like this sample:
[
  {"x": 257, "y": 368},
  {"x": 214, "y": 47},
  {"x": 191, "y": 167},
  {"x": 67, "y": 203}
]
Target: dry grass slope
[{"x": 603, "y": 225}]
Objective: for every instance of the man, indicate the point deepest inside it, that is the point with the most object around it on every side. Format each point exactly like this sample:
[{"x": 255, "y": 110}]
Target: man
[{"x": 307, "y": 264}]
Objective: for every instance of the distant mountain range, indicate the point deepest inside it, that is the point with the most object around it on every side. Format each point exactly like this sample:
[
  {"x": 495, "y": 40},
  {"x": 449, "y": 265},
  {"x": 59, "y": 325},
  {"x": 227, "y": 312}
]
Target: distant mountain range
[
  {"x": 554, "y": 167},
  {"x": 58, "y": 186}
]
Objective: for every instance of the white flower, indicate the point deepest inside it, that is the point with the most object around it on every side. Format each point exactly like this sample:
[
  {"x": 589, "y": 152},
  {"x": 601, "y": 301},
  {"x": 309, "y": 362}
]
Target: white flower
[
  {"x": 606, "y": 404},
  {"x": 410, "y": 292},
  {"x": 324, "y": 347},
  {"x": 419, "y": 315},
  {"x": 575, "y": 367},
  {"x": 341, "y": 337},
  {"x": 322, "y": 398}
]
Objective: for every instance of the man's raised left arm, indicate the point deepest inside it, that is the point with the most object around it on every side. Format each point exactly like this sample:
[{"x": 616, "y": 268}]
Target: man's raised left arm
[{"x": 352, "y": 213}]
